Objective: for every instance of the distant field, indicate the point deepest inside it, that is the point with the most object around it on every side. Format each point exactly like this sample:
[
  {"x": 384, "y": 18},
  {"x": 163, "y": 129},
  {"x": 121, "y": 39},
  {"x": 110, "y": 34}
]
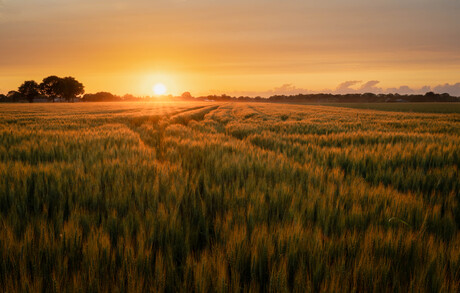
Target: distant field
[
  {"x": 404, "y": 107},
  {"x": 132, "y": 197}
]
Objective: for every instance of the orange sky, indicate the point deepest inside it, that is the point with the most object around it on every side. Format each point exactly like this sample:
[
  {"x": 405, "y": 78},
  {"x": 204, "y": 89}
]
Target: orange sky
[{"x": 235, "y": 47}]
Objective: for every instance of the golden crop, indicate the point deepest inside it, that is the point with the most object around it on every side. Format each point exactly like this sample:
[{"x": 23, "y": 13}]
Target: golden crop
[{"x": 128, "y": 197}]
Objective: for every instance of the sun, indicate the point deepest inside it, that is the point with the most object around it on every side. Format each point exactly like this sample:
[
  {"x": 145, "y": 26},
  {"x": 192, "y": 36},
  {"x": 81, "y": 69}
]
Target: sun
[{"x": 159, "y": 89}]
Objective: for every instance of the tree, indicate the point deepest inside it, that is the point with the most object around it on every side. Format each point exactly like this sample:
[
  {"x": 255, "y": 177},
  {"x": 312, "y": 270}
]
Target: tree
[
  {"x": 14, "y": 96},
  {"x": 69, "y": 88},
  {"x": 100, "y": 97},
  {"x": 186, "y": 96},
  {"x": 50, "y": 87},
  {"x": 29, "y": 89}
]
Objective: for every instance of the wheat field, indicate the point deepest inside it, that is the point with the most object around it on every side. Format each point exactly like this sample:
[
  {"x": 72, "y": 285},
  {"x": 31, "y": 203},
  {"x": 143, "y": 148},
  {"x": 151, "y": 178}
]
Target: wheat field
[{"x": 202, "y": 197}]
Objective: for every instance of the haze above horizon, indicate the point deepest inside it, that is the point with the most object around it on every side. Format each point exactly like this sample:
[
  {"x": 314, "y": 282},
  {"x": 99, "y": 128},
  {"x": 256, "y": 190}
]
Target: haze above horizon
[{"x": 239, "y": 47}]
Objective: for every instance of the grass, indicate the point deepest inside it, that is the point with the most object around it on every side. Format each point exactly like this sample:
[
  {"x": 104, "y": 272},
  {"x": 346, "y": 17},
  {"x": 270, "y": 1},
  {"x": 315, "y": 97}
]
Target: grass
[{"x": 227, "y": 197}]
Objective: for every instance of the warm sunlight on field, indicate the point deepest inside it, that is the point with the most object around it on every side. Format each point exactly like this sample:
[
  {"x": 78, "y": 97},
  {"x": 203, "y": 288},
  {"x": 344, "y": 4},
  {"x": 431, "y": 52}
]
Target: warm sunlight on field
[
  {"x": 203, "y": 197},
  {"x": 229, "y": 146}
]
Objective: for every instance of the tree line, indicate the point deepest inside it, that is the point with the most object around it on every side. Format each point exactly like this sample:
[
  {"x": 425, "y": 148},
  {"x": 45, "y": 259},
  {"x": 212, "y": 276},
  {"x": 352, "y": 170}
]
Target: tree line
[
  {"x": 54, "y": 88},
  {"x": 335, "y": 98},
  {"x": 51, "y": 88}
]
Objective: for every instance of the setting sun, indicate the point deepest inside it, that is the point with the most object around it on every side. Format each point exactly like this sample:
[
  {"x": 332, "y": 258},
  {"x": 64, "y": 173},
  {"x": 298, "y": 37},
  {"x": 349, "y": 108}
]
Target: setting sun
[{"x": 159, "y": 89}]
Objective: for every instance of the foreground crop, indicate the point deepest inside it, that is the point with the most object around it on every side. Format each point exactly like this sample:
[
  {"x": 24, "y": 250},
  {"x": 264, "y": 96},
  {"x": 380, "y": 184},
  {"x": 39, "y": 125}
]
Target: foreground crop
[{"x": 227, "y": 197}]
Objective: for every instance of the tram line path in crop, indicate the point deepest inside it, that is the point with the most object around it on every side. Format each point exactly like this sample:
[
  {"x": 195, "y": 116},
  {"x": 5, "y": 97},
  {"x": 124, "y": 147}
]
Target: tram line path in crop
[{"x": 227, "y": 197}]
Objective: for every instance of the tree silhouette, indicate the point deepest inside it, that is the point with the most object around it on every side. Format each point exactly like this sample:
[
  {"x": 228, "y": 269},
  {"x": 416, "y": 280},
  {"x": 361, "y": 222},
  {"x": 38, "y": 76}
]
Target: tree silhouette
[
  {"x": 100, "y": 97},
  {"x": 50, "y": 87},
  {"x": 186, "y": 96},
  {"x": 29, "y": 89},
  {"x": 69, "y": 88},
  {"x": 13, "y": 95}
]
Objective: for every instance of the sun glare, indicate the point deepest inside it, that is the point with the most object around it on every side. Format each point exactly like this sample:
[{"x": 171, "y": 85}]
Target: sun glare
[{"x": 159, "y": 89}]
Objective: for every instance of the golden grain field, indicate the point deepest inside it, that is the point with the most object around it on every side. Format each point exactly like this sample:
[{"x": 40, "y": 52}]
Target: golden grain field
[{"x": 202, "y": 197}]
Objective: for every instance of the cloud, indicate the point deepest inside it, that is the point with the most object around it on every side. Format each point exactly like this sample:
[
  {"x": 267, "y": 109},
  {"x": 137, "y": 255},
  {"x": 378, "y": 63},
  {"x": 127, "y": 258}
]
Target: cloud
[
  {"x": 345, "y": 87},
  {"x": 289, "y": 89},
  {"x": 406, "y": 90},
  {"x": 370, "y": 87},
  {"x": 453, "y": 89},
  {"x": 285, "y": 89}
]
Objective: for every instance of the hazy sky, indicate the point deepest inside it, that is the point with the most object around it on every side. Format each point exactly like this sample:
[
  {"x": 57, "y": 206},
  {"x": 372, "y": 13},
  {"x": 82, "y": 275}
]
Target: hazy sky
[{"x": 217, "y": 46}]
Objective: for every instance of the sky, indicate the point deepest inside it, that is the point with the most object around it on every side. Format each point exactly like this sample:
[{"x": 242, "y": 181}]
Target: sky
[{"x": 251, "y": 47}]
